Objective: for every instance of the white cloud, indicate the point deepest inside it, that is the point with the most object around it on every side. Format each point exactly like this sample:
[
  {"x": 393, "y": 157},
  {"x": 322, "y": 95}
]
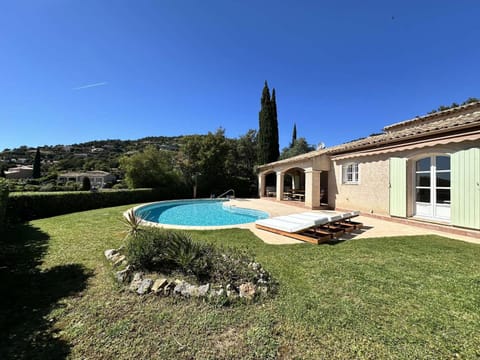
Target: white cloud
[{"x": 90, "y": 86}]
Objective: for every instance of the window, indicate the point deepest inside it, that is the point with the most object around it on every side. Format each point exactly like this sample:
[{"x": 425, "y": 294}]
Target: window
[
  {"x": 350, "y": 173},
  {"x": 432, "y": 187}
]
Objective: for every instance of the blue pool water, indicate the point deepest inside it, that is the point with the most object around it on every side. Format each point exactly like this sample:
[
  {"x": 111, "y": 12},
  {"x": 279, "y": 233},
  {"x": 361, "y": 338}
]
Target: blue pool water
[{"x": 198, "y": 213}]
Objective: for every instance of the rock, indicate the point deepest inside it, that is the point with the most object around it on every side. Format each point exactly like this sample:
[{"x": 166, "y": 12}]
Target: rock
[
  {"x": 231, "y": 291},
  {"x": 137, "y": 280},
  {"x": 189, "y": 290},
  {"x": 115, "y": 257},
  {"x": 262, "y": 281},
  {"x": 138, "y": 276},
  {"x": 119, "y": 260},
  {"x": 145, "y": 286},
  {"x": 254, "y": 266},
  {"x": 262, "y": 289},
  {"x": 124, "y": 276},
  {"x": 247, "y": 291},
  {"x": 179, "y": 287},
  {"x": 167, "y": 290},
  {"x": 196, "y": 291},
  {"x": 159, "y": 285},
  {"x": 203, "y": 290},
  {"x": 110, "y": 253}
]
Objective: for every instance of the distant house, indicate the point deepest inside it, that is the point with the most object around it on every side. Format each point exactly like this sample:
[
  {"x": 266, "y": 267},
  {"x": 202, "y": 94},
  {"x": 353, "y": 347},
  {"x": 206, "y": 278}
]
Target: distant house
[
  {"x": 97, "y": 178},
  {"x": 19, "y": 172},
  {"x": 22, "y": 160},
  {"x": 426, "y": 168}
]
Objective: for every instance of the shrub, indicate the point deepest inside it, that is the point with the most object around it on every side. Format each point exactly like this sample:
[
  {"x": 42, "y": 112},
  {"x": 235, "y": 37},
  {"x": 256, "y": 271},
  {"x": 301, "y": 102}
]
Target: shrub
[
  {"x": 120, "y": 185},
  {"x": 232, "y": 266},
  {"x": 3, "y": 202},
  {"x": 190, "y": 256},
  {"x": 28, "y": 206},
  {"x": 48, "y": 187},
  {"x": 146, "y": 249},
  {"x": 158, "y": 249},
  {"x": 155, "y": 249}
]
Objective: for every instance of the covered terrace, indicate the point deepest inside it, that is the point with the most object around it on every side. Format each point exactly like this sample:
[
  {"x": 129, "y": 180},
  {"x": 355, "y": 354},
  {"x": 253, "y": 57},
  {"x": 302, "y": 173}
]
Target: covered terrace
[{"x": 302, "y": 178}]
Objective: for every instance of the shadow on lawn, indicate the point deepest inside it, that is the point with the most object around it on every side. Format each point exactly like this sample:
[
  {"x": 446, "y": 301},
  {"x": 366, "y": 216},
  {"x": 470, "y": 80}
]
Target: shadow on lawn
[{"x": 29, "y": 294}]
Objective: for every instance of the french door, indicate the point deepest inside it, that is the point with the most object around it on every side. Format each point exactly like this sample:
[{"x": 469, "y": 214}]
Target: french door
[{"x": 432, "y": 187}]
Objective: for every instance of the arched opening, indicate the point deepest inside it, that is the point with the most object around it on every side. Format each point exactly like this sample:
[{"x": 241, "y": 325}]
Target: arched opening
[
  {"x": 432, "y": 187},
  {"x": 294, "y": 184},
  {"x": 270, "y": 184}
]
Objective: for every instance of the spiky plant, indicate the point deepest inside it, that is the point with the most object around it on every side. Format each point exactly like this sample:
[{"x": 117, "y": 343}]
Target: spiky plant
[
  {"x": 182, "y": 250},
  {"x": 133, "y": 223}
]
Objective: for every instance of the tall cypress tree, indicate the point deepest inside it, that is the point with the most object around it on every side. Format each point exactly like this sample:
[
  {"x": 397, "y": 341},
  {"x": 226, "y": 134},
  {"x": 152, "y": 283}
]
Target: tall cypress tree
[
  {"x": 268, "y": 148},
  {"x": 263, "y": 129},
  {"x": 294, "y": 135},
  {"x": 274, "y": 151},
  {"x": 36, "y": 165}
]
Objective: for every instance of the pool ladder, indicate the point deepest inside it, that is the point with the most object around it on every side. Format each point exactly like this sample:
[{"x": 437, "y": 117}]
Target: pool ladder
[{"x": 226, "y": 192}]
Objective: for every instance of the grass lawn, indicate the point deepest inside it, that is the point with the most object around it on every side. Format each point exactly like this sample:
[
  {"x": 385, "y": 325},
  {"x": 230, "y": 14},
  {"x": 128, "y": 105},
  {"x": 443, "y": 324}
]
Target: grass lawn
[{"x": 403, "y": 297}]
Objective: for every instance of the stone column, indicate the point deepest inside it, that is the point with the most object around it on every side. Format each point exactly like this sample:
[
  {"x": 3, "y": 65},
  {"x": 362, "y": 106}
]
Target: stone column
[
  {"x": 312, "y": 188},
  {"x": 261, "y": 185},
  {"x": 280, "y": 177},
  {"x": 295, "y": 181}
]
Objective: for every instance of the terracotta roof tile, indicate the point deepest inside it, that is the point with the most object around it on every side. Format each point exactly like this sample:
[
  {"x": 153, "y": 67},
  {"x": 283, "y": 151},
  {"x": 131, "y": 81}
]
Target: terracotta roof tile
[
  {"x": 448, "y": 120},
  {"x": 466, "y": 116}
]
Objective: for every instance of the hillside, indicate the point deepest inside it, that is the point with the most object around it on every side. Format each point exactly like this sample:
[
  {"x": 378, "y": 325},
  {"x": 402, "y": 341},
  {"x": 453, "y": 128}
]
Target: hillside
[{"x": 92, "y": 155}]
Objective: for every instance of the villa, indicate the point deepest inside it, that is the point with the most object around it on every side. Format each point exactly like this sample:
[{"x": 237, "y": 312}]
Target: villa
[
  {"x": 19, "y": 172},
  {"x": 97, "y": 178},
  {"x": 426, "y": 169}
]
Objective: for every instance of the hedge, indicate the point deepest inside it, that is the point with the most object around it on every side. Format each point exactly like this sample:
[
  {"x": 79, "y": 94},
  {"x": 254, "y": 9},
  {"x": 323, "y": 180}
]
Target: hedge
[
  {"x": 37, "y": 205},
  {"x": 3, "y": 202}
]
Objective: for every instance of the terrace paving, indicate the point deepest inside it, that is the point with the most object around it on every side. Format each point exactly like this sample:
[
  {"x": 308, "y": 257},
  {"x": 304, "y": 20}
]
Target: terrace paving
[{"x": 373, "y": 227}]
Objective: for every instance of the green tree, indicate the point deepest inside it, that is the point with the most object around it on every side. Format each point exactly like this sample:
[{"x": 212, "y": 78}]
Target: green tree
[
  {"x": 3, "y": 202},
  {"x": 212, "y": 163},
  {"x": 86, "y": 185},
  {"x": 294, "y": 135},
  {"x": 36, "y": 165},
  {"x": 268, "y": 148},
  {"x": 299, "y": 147},
  {"x": 202, "y": 160},
  {"x": 151, "y": 168},
  {"x": 245, "y": 154}
]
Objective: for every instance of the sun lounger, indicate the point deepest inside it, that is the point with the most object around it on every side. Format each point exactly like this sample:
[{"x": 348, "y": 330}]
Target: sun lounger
[
  {"x": 349, "y": 223},
  {"x": 305, "y": 227},
  {"x": 309, "y": 226}
]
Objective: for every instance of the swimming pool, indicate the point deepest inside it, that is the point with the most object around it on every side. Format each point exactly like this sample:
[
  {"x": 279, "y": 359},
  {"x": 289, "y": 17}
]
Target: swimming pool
[{"x": 204, "y": 212}]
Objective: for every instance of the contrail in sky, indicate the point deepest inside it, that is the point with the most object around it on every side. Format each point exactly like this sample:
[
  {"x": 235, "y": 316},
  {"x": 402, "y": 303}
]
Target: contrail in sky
[{"x": 90, "y": 85}]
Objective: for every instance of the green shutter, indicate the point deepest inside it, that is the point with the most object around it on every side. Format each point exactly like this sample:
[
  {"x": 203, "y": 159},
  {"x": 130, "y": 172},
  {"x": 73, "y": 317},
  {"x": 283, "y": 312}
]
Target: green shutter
[
  {"x": 398, "y": 187},
  {"x": 465, "y": 193}
]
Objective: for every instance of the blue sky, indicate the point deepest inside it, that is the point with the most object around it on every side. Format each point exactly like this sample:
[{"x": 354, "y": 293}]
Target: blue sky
[{"x": 74, "y": 71}]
